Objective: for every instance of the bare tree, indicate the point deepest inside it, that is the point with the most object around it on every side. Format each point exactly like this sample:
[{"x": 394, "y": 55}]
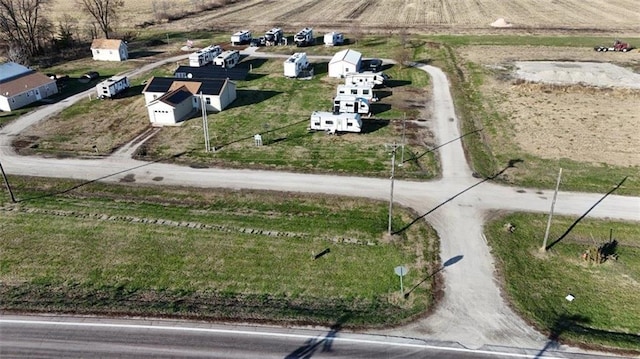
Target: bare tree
[
  {"x": 23, "y": 27},
  {"x": 67, "y": 31},
  {"x": 104, "y": 11}
]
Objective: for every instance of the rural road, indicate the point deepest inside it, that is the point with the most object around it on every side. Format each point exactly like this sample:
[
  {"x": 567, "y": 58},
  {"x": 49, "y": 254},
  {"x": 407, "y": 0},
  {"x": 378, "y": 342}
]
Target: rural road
[{"x": 472, "y": 311}]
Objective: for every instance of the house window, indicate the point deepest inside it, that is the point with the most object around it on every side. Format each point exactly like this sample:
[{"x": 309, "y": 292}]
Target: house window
[
  {"x": 97, "y": 51},
  {"x": 365, "y": 92},
  {"x": 208, "y": 99},
  {"x": 349, "y": 124},
  {"x": 316, "y": 123},
  {"x": 329, "y": 122},
  {"x": 354, "y": 91}
]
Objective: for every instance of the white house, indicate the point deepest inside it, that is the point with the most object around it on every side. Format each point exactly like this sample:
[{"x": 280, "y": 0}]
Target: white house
[
  {"x": 20, "y": 86},
  {"x": 109, "y": 50},
  {"x": 171, "y": 100},
  {"x": 343, "y": 62}
]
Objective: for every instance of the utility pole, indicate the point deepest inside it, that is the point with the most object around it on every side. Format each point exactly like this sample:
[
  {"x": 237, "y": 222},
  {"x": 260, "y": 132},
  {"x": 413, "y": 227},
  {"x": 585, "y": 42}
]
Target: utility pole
[
  {"x": 205, "y": 123},
  {"x": 6, "y": 182},
  {"x": 404, "y": 118},
  {"x": 394, "y": 147},
  {"x": 553, "y": 204}
]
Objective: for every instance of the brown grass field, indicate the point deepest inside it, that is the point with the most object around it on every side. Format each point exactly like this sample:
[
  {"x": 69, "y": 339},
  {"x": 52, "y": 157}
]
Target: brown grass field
[{"x": 593, "y": 16}]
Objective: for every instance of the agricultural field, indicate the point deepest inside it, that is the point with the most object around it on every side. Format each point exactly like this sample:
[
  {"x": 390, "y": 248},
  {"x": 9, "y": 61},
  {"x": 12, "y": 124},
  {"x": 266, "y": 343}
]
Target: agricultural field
[{"x": 434, "y": 16}]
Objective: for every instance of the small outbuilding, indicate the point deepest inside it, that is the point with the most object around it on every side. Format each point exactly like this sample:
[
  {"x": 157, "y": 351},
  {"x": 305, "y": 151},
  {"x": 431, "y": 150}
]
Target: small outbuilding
[
  {"x": 20, "y": 86},
  {"x": 109, "y": 50},
  {"x": 171, "y": 100},
  {"x": 343, "y": 62}
]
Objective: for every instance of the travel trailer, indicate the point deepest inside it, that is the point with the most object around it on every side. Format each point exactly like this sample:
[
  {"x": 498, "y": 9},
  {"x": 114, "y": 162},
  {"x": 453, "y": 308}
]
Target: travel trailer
[
  {"x": 367, "y": 78},
  {"x": 295, "y": 64},
  {"x": 351, "y": 104},
  {"x": 241, "y": 37},
  {"x": 227, "y": 59},
  {"x": 304, "y": 37},
  {"x": 365, "y": 92},
  {"x": 113, "y": 86},
  {"x": 204, "y": 56},
  {"x": 332, "y": 123},
  {"x": 333, "y": 39}
]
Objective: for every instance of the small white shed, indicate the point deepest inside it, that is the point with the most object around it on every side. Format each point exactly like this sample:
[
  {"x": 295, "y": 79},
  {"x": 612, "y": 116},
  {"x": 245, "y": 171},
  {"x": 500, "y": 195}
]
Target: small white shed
[
  {"x": 109, "y": 50},
  {"x": 343, "y": 62}
]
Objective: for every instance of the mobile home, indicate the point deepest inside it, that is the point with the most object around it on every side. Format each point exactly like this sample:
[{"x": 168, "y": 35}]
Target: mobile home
[
  {"x": 204, "y": 56},
  {"x": 333, "y": 38},
  {"x": 227, "y": 59},
  {"x": 241, "y": 37},
  {"x": 113, "y": 86},
  {"x": 332, "y": 123},
  {"x": 351, "y": 104},
  {"x": 367, "y": 78},
  {"x": 295, "y": 64},
  {"x": 365, "y": 92}
]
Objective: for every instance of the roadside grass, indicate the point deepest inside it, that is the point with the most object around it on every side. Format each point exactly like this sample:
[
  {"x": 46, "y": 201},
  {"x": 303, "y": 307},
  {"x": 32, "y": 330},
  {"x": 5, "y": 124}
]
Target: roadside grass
[
  {"x": 121, "y": 249},
  {"x": 605, "y": 312}
]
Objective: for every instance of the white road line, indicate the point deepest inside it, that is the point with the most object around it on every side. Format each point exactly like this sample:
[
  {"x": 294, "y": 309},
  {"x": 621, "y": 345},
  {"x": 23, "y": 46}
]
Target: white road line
[{"x": 271, "y": 334}]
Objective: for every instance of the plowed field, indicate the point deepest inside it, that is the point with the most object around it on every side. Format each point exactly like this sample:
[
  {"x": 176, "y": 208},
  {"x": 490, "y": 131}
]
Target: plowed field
[{"x": 460, "y": 15}]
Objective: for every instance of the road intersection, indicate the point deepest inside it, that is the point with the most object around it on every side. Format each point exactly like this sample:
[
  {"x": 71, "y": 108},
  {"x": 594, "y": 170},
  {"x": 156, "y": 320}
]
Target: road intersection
[{"x": 473, "y": 311}]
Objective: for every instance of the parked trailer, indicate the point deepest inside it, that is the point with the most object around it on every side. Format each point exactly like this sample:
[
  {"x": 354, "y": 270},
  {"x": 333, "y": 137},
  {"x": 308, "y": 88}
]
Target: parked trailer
[
  {"x": 365, "y": 92},
  {"x": 332, "y": 122},
  {"x": 273, "y": 37},
  {"x": 241, "y": 37},
  {"x": 333, "y": 38},
  {"x": 365, "y": 78},
  {"x": 295, "y": 64},
  {"x": 204, "y": 56},
  {"x": 304, "y": 37},
  {"x": 112, "y": 87},
  {"x": 351, "y": 104},
  {"x": 227, "y": 59}
]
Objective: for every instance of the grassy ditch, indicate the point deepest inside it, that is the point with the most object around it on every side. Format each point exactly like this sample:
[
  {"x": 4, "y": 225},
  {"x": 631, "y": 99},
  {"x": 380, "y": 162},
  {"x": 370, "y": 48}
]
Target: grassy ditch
[
  {"x": 605, "y": 311},
  {"x": 215, "y": 254}
]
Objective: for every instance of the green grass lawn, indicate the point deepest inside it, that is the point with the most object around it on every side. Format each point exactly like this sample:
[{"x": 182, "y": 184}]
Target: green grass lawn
[
  {"x": 606, "y": 309},
  {"x": 106, "y": 249}
]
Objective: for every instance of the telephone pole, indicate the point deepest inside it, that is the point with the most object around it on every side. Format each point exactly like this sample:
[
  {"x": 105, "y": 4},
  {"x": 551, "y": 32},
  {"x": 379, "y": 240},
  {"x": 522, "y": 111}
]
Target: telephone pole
[
  {"x": 394, "y": 147},
  {"x": 404, "y": 118},
  {"x": 553, "y": 204},
  {"x": 205, "y": 124},
  {"x": 6, "y": 182}
]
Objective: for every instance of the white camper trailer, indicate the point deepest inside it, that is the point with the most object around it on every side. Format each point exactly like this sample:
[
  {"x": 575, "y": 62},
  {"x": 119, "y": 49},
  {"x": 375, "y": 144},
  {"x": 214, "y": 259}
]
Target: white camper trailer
[
  {"x": 333, "y": 39},
  {"x": 295, "y": 64},
  {"x": 241, "y": 37},
  {"x": 366, "y": 78},
  {"x": 227, "y": 59},
  {"x": 273, "y": 37},
  {"x": 204, "y": 56},
  {"x": 304, "y": 37},
  {"x": 332, "y": 123},
  {"x": 112, "y": 87},
  {"x": 351, "y": 104},
  {"x": 365, "y": 92}
]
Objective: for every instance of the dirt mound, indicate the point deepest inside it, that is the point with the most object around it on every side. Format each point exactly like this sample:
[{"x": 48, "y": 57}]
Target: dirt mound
[
  {"x": 572, "y": 73},
  {"x": 501, "y": 23}
]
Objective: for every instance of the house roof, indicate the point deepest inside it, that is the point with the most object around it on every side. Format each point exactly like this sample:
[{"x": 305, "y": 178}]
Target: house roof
[
  {"x": 10, "y": 70},
  {"x": 213, "y": 72},
  {"x": 195, "y": 86},
  {"x": 23, "y": 83},
  {"x": 108, "y": 44},
  {"x": 348, "y": 55}
]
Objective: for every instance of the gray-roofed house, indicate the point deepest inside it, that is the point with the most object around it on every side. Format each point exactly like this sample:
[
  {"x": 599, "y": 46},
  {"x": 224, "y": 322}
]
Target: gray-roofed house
[
  {"x": 109, "y": 50},
  {"x": 170, "y": 100},
  {"x": 20, "y": 86},
  {"x": 343, "y": 62}
]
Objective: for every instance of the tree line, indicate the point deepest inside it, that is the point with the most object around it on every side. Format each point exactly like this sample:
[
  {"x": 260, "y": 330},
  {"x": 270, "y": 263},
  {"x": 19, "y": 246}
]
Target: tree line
[{"x": 28, "y": 32}]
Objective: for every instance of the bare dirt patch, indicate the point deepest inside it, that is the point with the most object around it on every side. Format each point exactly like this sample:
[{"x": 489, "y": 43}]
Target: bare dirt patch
[{"x": 567, "y": 118}]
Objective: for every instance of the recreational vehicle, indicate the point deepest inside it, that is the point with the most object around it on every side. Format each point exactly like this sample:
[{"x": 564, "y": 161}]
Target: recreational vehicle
[
  {"x": 204, "y": 56},
  {"x": 227, "y": 59},
  {"x": 111, "y": 87},
  {"x": 241, "y": 37},
  {"x": 366, "y": 78},
  {"x": 296, "y": 64},
  {"x": 273, "y": 37},
  {"x": 333, "y": 39},
  {"x": 365, "y": 92},
  {"x": 332, "y": 123},
  {"x": 351, "y": 104},
  {"x": 304, "y": 37}
]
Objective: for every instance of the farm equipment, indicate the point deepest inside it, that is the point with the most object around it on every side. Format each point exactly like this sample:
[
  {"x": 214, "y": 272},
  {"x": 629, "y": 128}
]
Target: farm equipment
[{"x": 618, "y": 46}]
